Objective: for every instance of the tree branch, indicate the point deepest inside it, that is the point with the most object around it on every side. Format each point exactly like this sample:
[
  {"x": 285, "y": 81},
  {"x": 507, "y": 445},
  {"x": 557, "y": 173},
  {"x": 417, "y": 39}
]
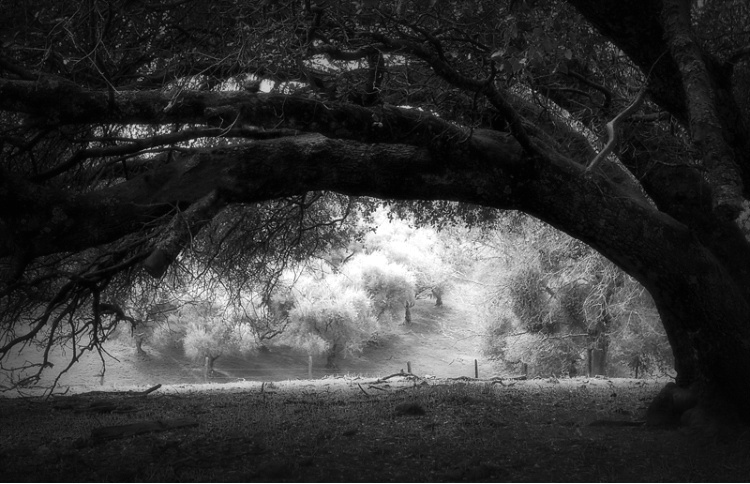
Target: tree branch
[
  {"x": 485, "y": 87},
  {"x": 49, "y": 221},
  {"x": 612, "y": 130},
  {"x": 64, "y": 103},
  {"x": 705, "y": 123},
  {"x": 139, "y": 145},
  {"x": 180, "y": 232}
]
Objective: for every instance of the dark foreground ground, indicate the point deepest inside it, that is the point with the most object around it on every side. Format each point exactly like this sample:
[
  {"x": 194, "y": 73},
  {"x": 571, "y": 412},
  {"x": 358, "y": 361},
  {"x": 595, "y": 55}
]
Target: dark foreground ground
[{"x": 363, "y": 430}]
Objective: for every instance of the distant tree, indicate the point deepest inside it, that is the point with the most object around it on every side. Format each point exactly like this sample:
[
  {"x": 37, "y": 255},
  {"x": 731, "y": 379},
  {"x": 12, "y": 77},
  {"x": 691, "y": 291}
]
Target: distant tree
[
  {"x": 390, "y": 285},
  {"x": 207, "y": 336},
  {"x": 418, "y": 248},
  {"x": 204, "y": 321},
  {"x": 330, "y": 315}
]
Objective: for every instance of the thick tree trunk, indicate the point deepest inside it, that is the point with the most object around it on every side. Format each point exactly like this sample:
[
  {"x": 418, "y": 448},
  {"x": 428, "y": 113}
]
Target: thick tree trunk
[{"x": 699, "y": 279}]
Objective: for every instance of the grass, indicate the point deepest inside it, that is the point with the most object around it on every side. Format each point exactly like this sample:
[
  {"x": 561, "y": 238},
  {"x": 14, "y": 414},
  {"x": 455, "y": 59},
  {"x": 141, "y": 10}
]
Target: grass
[{"x": 356, "y": 429}]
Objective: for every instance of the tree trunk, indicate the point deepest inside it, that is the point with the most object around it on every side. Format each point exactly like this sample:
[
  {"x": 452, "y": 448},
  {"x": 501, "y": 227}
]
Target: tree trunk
[
  {"x": 331, "y": 357},
  {"x": 438, "y": 293},
  {"x": 698, "y": 277},
  {"x": 599, "y": 340},
  {"x": 139, "y": 340},
  {"x": 407, "y": 313},
  {"x": 598, "y": 355},
  {"x": 208, "y": 366}
]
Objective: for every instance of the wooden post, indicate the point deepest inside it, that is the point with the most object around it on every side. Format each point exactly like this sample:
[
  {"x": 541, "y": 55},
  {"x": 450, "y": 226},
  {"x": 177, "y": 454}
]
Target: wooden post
[
  {"x": 525, "y": 369},
  {"x": 205, "y": 368},
  {"x": 476, "y": 369},
  {"x": 309, "y": 366},
  {"x": 408, "y": 367}
]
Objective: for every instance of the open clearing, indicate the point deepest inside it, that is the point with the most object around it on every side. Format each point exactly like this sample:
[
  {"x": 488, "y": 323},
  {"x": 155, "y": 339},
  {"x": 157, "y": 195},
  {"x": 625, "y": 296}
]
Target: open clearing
[{"x": 353, "y": 425}]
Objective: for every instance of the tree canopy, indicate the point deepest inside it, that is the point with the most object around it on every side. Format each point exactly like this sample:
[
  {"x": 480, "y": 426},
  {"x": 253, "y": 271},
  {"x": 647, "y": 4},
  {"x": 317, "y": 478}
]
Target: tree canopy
[{"x": 234, "y": 133}]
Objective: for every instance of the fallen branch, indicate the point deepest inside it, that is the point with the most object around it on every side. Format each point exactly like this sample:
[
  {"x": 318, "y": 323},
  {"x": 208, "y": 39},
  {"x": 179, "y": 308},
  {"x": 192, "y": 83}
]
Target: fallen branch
[
  {"x": 128, "y": 393},
  {"x": 146, "y": 392},
  {"x": 363, "y": 390},
  {"x": 401, "y": 373}
]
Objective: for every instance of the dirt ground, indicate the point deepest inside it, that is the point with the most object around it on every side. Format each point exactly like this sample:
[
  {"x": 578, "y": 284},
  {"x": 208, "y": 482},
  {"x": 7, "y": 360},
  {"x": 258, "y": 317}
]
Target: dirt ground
[{"x": 359, "y": 429}]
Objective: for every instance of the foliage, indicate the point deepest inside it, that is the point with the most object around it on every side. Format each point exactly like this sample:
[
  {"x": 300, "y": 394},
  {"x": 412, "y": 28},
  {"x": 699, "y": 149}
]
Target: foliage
[
  {"x": 204, "y": 321},
  {"x": 529, "y": 300},
  {"x": 422, "y": 250},
  {"x": 390, "y": 285},
  {"x": 248, "y": 247},
  {"x": 330, "y": 315},
  {"x": 639, "y": 343}
]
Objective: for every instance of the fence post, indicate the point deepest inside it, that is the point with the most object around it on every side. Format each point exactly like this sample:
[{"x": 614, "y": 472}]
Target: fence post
[
  {"x": 309, "y": 366},
  {"x": 408, "y": 367},
  {"x": 476, "y": 369}
]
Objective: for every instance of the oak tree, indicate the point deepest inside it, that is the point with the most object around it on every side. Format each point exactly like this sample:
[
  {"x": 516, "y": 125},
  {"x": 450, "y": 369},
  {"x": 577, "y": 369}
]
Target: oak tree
[{"x": 130, "y": 128}]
